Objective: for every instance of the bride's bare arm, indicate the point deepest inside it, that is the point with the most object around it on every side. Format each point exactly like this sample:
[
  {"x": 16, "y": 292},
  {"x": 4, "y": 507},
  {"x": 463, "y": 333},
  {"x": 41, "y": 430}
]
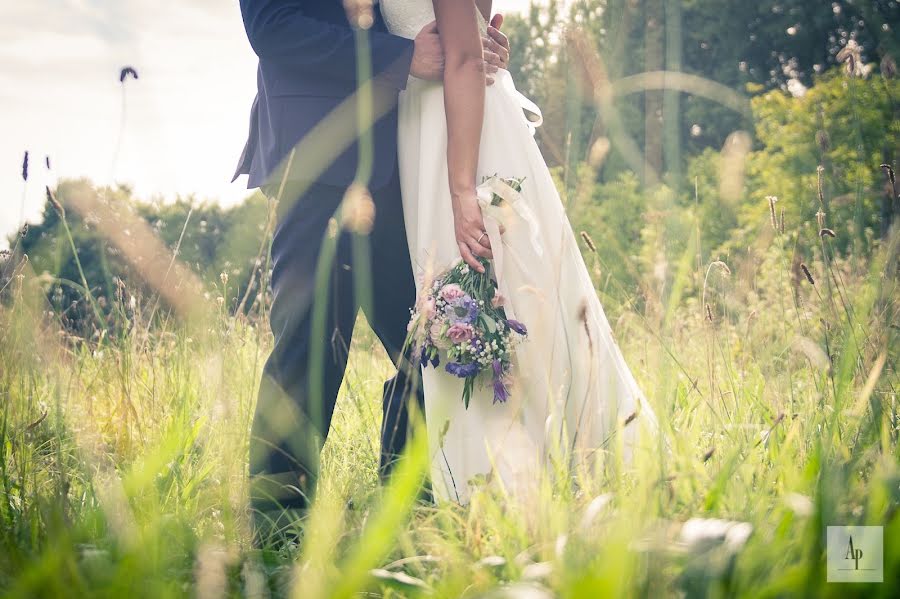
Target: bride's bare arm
[{"x": 464, "y": 83}]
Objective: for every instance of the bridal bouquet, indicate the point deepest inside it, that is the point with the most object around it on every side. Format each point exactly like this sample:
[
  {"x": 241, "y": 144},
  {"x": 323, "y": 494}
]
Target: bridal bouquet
[{"x": 461, "y": 319}]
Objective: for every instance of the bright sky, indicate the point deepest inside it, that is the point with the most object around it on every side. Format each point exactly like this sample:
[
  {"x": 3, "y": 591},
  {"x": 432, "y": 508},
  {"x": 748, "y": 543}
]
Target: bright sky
[{"x": 186, "y": 118}]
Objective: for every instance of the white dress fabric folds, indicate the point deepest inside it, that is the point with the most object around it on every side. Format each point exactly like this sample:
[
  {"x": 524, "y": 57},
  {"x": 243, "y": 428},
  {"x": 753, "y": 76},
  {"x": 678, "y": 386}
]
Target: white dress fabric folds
[{"x": 572, "y": 391}]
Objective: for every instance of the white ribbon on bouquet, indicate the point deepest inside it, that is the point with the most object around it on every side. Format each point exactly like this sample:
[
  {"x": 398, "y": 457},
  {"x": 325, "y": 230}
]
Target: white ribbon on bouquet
[{"x": 497, "y": 217}]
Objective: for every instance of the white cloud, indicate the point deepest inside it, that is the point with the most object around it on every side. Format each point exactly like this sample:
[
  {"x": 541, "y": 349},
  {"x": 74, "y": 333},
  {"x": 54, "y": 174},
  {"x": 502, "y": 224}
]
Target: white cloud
[{"x": 186, "y": 116}]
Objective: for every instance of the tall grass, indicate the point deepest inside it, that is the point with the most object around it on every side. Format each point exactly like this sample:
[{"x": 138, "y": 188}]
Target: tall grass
[
  {"x": 123, "y": 458},
  {"x": 123, "y": 453}
]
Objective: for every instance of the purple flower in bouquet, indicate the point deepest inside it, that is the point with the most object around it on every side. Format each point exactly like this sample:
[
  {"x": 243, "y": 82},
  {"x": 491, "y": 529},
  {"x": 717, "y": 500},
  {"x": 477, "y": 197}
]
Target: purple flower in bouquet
[
  {"x": 425, "y": 359},
  {"x": 517, "y": 326},
  {"x": 501, "y": 393},
  {"x": 460, "y": 333},
  {"x": 462, "y": 370},
  {"x": 463, "y": 310}
]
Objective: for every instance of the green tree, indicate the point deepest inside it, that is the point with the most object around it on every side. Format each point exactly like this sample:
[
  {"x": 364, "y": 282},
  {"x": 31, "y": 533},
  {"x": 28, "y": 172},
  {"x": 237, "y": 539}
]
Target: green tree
[{"x": 208, "y": 238}]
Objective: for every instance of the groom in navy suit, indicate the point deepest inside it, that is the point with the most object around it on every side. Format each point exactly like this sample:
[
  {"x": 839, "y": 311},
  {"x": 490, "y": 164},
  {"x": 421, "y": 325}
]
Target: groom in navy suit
[{"x": 311, "y": 112}]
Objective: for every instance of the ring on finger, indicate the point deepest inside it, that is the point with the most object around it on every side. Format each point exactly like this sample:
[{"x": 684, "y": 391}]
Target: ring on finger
[{"x": 483, "y": 233}]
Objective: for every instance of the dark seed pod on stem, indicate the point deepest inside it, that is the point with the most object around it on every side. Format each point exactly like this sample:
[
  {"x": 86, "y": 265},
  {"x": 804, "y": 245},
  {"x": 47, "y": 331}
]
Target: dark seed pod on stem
[
  {"x": 51, "y": 197},
  {"x": 820, "y": 185},
  {"x": 588, "y": 241},
  {"x": 808, "y": 274},
  {"x": 126, "y": 72},
  {"x": 772, "y": 200},
  {"x": 889, "y": 173}
]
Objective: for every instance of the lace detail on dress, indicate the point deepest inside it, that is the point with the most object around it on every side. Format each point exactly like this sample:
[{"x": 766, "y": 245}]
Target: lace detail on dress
[{"x": 407, "y": 17}]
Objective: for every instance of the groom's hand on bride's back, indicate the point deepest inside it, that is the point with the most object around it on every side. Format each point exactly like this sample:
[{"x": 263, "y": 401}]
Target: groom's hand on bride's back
[
  {"x": 428, "y": 55},
  {"x": 496, "y": 46}
]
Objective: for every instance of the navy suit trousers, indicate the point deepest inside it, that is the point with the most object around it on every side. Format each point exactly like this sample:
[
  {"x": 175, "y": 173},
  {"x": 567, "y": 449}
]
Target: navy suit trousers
[{"x": 295, "y": 403}]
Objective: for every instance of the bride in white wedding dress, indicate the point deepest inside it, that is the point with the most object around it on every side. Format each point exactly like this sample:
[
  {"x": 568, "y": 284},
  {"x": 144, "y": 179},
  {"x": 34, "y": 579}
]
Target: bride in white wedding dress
[{"x": 572, "y": 393}]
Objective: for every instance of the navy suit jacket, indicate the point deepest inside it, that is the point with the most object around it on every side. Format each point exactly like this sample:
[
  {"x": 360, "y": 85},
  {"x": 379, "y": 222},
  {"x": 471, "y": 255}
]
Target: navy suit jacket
[{"x": 307, "y": 67}]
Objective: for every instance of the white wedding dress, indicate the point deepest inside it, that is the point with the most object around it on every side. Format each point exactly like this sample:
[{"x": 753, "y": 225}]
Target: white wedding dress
[{"x": 573, "y": 394}]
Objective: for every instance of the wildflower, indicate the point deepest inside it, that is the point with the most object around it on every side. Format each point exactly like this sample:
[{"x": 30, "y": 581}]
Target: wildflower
[
  {"x": 126, "y": 72},
  {"x": 724, "y": 267},
  {"x": 851, "y": 56},
  {"x": 359, "y": 13},
  {"x": 889, "y": 171},
  {"x": 583, "y": 317},
  {"x": 820, "y": 218},
  {"x": 358, "y": 210},
  {"x": 772, "y": 200},
  {"x": 462, "y": 370},
  {"x": 501, "y": 393},
  {"x": 588, "y": 241},
  {"x": 517, "y": 326},
  {"x": 820, "y": 173},
  {"x": 51, "y": 198},
  {"x": 808, "y": 274},
  {"x": 223, "y": 276}
]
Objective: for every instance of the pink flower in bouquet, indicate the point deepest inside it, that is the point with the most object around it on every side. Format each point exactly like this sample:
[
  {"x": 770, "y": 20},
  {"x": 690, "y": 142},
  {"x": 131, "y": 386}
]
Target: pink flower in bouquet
[
  {"x": 498, "y": 299},
  {"x": 460, "y": 333},
  {"x": 451, "y": 292},
  {"x": 437, "y": 339}
]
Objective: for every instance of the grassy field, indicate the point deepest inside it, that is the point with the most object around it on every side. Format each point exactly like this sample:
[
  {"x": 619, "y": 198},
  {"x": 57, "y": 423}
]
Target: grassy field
[{"x": 123, "y": 455}]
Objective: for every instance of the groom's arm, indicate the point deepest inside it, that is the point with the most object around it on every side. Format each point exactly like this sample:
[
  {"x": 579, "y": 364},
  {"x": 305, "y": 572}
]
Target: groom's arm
[{"x": 279, "y": 31}]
